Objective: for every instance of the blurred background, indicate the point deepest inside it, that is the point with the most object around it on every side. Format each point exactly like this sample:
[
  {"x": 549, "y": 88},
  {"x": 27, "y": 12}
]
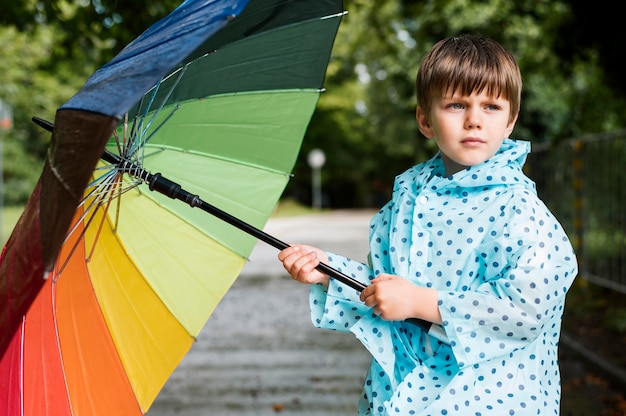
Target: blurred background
[
  {"x": 568, "y": 51},
  {"x": 573, "y": 111}
]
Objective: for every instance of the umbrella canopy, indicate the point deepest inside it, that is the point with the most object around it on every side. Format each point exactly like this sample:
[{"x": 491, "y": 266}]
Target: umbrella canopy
[
  {"x": 82, "y": 126},
  {"x": 139, "y": 273}
]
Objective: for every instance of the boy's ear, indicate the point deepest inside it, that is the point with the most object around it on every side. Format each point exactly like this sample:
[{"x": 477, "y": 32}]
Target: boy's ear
[
  {"x": 510, "y": 127},
  {"x": 424, "y": 124}
]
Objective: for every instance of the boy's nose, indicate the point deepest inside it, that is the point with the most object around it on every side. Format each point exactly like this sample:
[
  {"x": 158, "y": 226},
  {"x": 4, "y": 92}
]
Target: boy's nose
[{"x": 473, "y": 119}]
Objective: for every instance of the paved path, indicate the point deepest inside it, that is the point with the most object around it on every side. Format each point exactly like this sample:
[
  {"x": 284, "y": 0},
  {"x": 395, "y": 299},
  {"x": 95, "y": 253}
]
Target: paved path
[
  {"x": 343, "y": 232},
  {"x": 260, "y": 355}
]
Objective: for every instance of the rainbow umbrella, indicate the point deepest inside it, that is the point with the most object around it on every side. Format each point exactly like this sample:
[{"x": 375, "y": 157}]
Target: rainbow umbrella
[{"x": 108, "y": 276}]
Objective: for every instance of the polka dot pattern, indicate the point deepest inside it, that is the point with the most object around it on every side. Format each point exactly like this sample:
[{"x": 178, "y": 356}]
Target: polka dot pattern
[{"x": 501, "y": 264}]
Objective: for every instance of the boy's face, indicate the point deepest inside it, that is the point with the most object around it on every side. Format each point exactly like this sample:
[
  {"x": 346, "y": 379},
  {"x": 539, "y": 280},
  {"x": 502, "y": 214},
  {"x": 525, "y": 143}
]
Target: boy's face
[{"x": 468, "y": 129}]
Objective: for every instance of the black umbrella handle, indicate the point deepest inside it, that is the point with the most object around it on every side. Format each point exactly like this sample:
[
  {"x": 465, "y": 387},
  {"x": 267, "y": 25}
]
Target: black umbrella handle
[
  {"x": 433, "y": 330},
  {"x": 157, "y": 182},
  {"x": 173, "y": 190}
]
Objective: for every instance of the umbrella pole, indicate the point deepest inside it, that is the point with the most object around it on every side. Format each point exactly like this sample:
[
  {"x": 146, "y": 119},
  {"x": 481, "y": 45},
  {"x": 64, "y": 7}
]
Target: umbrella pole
[
  {"x": 157, "y": 182},
  {"x": 173, "y": 190}
]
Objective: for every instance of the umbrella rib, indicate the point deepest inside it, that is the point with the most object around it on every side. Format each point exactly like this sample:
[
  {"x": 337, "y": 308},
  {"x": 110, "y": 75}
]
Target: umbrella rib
[
  {"x": 143, "y": 136},
  {"x": 149, "y": 104},
  {"x": 122, "y": 145},
  {"x": 117, "y": 141},
  {"x": 120, "y": 192},
  {"x": 58, "y": 340},
  {"x": 103, "y": 192},
  {"x": 106, "y": 209},
  {"x": 78, "y": 240},
  {"x": 143, "y": 144},
  {"x": 136, "y": 138},
  {"x": 134, "y": 126},
  {"x": 332, "y": 16},
  {"x": 165, "y": 99},
  {"x": 90, "y": 213},
  {"x": 125, "y": 134}
]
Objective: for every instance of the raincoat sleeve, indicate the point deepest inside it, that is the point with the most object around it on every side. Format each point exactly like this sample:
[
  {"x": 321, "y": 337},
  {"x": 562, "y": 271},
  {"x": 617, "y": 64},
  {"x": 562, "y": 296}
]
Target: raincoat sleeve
[
  {"x": 523, "y": 276},
  {"x": 338, "y": 307}
]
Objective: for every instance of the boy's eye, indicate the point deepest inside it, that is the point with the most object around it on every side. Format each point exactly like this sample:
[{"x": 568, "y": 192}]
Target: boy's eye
[{"x": 455, "y": 106}]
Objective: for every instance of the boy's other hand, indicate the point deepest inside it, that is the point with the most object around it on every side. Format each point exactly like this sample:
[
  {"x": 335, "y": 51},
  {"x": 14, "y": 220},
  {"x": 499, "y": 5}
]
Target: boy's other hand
[{"x": 301, "y": 261}]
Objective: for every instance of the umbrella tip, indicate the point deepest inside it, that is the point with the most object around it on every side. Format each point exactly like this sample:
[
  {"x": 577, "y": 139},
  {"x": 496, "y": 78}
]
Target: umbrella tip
[{"x": 45, "y": 124}]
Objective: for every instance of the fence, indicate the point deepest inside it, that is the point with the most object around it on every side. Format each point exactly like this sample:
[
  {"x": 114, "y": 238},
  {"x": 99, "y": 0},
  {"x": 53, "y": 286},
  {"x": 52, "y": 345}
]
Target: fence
[{"x": 583, "y": 182}]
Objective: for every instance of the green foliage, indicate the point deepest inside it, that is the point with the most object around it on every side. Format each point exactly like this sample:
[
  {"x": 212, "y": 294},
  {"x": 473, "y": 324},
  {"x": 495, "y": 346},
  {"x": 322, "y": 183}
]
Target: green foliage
[
  {"x": 369, "y": 107},
  {"x": 31, "y": 89},
  {"x": 561, "y": 95},
  {"x": 9, "y": 217},
  {"x": 96, "y": 29},
  {"x": 365, "y": 121},
  {"x": 47, "y": 51}
]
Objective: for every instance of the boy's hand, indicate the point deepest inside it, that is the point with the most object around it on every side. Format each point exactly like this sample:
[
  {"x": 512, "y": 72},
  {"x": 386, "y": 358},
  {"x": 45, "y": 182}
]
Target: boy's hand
[
  {"x": 397, "y": 299},
  {"x": 301, "y": 261}
]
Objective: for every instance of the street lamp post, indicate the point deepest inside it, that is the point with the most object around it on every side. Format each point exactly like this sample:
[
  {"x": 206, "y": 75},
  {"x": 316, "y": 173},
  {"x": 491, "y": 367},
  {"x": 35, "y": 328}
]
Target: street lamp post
[{"x": 316, "y": 159}]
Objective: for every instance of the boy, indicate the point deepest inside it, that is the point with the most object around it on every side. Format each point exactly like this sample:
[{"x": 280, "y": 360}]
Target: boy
[{"x": 464, "y": 243}]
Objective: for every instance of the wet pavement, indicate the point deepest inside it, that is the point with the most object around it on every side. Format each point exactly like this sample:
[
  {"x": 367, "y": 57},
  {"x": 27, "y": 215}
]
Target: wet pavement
[{"x": 259, "y": 354}]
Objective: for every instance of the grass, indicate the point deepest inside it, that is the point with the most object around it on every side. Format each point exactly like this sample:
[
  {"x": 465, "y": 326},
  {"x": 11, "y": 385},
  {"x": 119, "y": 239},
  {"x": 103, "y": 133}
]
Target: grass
[
  {"x": 10, "y": 215},
  {"x": 291, "y": 208}
]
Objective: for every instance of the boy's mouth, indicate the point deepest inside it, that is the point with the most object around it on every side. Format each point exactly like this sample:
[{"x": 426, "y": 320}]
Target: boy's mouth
[{"x": 472, "y": 141}]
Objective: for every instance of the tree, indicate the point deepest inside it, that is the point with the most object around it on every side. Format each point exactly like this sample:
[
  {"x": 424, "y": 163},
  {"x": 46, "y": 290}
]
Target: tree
[
  {"x": 97, "y": 29},
  {"x": 379, "y": 47},
  {"x": 47, "y": 51},
  {"x": 31, "y": 90},
  {"x": 365, "y": 120}
]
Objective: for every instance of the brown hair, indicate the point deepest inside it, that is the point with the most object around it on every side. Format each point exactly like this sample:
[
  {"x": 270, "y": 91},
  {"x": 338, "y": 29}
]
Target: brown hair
[{"x": 469, "y": 64}]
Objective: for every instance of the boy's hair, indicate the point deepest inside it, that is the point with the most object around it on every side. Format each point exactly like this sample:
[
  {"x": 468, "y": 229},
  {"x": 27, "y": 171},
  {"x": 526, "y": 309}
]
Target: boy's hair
[{"x": 469, "y": 64}]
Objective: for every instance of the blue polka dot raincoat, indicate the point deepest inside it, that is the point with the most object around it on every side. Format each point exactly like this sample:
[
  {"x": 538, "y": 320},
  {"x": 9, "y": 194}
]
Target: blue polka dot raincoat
[{"x": 501, "y": 264}]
